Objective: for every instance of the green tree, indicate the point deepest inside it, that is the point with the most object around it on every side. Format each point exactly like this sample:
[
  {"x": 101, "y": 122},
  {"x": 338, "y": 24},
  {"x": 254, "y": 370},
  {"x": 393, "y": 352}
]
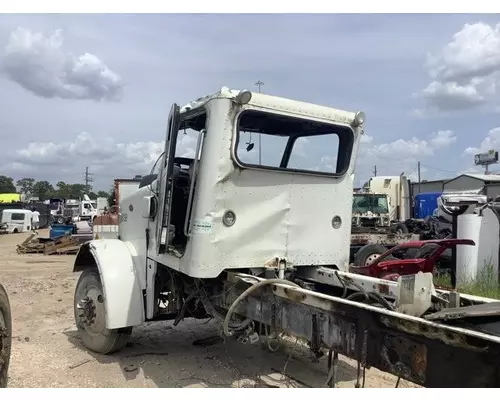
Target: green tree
[
  {"x": 7, "y": 185},
  {"x": 25, "y": 185},
  {"x": 102, "y": 193},
  {"x": 76, "y": 190},
  {"x": 43, "y": 190},
  {"x": 62, "y": 190},
  {"x": 111, "y": 196}
]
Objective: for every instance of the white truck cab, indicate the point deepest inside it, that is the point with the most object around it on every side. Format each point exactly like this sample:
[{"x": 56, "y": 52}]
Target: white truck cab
[
  {"x": 370, "y": 210},
  {"x": 80, "y": 210},
  {"x": 227, "y": 207}
]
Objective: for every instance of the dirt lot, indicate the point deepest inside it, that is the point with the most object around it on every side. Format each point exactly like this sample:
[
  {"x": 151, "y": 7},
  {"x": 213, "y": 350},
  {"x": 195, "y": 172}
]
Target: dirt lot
[{"x": 48, "y": 353}]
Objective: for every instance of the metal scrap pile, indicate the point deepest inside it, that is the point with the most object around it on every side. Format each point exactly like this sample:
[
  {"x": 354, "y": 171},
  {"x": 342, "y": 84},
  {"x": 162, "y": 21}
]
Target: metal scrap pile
[{"x": 61, "y": 245}]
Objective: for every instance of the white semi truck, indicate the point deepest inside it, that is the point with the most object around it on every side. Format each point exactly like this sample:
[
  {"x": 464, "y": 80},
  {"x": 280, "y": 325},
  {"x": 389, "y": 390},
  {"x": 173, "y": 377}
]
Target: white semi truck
[{"x": 265, "y": 250}]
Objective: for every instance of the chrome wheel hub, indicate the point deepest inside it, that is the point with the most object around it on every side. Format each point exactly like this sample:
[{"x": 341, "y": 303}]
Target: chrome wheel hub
[
  {"x": 91, "y": 313},
  {"x": 86, "y": 311},
  {"x": 371, "y": 258}
]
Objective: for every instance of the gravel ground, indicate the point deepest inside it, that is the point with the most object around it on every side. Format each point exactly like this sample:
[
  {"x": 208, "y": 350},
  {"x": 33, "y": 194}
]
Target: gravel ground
[{"x": 47, "y": 351}]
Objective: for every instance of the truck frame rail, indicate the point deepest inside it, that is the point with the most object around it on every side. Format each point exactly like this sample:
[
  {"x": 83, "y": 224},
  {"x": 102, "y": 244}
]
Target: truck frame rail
[{"x": 427, "y": 353}]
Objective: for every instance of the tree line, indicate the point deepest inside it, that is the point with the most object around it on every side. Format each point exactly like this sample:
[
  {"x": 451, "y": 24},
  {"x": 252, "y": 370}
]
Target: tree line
[{"x": 45, "y": 190}]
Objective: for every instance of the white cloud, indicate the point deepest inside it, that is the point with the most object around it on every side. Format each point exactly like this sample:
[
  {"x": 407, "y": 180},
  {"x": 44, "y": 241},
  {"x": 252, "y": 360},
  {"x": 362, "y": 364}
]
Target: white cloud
[
  {"x": 103, "y": 155},
  {"x": 490, "y": 142},
  {"x": 366, "y": 139},
  {"x": 442, "y": 139},
  {"x": 408, "y": 149},
  {"x": 40, "y": 65},
  {"x": 401, "y": 155},
  {"x": 466, "y": 73}
]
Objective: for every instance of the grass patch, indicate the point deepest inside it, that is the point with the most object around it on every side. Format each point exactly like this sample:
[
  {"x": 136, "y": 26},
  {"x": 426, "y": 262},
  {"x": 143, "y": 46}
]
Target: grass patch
[{"x": 485, "y": 284}]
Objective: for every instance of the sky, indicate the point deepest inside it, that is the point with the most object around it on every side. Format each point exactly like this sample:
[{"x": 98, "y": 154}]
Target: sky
[{"x": 96, "y": 90}]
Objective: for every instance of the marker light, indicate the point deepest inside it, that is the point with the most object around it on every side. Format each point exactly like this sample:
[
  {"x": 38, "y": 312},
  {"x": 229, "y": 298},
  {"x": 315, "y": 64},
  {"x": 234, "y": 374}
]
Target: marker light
[
  {"x": 243, "y": 97},
  {"x": 229, "y": 218},
  {"x": 336, "y": 222},
  {"x": 359, "y": 118}
]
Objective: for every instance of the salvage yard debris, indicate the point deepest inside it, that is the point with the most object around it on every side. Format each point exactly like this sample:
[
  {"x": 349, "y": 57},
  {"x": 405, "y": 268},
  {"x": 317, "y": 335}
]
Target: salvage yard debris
[{"x": 60, "y": 245}]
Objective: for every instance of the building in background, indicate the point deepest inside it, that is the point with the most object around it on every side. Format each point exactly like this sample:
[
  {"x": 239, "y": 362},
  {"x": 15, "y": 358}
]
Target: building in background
[
  {"x": 428, "y": 186},
  {"x": 491, "y": 183}
]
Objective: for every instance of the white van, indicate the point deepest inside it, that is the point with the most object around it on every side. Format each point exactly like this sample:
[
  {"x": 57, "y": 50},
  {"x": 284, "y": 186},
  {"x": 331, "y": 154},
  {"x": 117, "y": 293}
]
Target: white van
[{"x": 17, "y": 220}]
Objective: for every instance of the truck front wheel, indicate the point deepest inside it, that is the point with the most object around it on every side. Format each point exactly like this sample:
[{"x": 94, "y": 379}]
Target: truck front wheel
[
  {"x": 90, "y": 316},
  {"x": 5, "y": 336},
  {"x": 400, "y": 229},
  {"x": 368, "y": 254}
]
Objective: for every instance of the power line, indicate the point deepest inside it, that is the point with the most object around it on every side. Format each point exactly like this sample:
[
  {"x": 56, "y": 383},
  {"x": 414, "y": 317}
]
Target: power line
[{"x": 438, "y": 169}]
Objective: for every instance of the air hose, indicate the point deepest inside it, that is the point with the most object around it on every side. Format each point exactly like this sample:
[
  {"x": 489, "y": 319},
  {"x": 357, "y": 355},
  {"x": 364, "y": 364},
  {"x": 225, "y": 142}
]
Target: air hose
[
  {"x": 374, "y": 296},
  {"x": 251, "y": 289}
]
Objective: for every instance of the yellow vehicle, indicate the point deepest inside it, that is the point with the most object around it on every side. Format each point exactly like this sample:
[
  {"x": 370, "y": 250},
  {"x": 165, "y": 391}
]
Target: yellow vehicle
[{"x": 10, "y": 197}]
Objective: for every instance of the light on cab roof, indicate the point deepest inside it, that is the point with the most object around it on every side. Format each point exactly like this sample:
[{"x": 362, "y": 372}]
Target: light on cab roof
[
  {"x": 359, "y": 118},
  {"x": 243, "y": 97}
]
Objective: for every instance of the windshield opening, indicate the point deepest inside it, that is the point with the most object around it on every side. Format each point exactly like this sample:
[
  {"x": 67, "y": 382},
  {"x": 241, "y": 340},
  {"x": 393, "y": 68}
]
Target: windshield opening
[
  {"x": 185, "y": 148},
  {"x": 376, "y": 204},
  {"x": 272, "y": 141}
]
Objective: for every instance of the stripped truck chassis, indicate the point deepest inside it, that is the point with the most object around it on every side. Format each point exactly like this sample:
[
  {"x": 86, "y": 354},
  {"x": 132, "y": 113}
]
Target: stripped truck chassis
[
  {"x": 427, "y": 353},
  {"x": 187, "y": 236}
]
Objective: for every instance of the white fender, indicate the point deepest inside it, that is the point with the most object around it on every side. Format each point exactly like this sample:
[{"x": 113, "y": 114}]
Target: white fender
[{"x": 123, "y": 296}]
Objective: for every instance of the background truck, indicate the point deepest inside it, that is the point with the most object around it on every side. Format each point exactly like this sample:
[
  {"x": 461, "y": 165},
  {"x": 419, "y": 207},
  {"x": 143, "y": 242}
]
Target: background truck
[
  {"x": 74, "y": 210},
  {"x": 264, "y": 251},
  {"x": 406, "y": 217},
  {"x": 372, "y": 214},
  {"x": 375, "y": 224}
]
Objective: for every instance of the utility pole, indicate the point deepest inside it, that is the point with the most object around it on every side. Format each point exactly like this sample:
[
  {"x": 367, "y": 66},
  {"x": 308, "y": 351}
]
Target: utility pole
[
  {"x": 88, "y": 179},
  {"x": 419, "y": 185},
  {"x": 375, "y": 171},
  {"x": 259, "y": 84}
]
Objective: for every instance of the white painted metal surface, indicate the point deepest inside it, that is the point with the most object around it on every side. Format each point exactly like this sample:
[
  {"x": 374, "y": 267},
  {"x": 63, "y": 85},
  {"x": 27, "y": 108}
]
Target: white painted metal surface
[
  {"x": 398, "y": 190},
  {"x": 278, "y": 214},
  {"x": 126, "y": 188},
  {"x": 478, "y": 262},
  {"x": 17, "y": 220},
  {"x": 132, "y": 229},
  {"x": 122, "y": 292},
  {"x": 415, "y": 293}
]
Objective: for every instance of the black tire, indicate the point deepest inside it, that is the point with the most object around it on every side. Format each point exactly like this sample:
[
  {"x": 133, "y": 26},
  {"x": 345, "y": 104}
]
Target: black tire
[
  {"x": 15, "y": 230},
  {"x": 400, "y": 229},
  {"x": 444, "y": 233},
  {"x": 368, "y": 254},
  {"x": 5, "y": 337},
  {"x": 105, "y": 341},
  {"x": 60, "y": 220}
]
